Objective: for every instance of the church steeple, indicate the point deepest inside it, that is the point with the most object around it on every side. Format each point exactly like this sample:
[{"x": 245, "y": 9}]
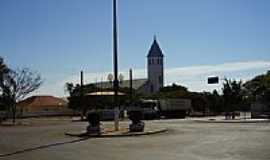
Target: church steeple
[
  {"x": 155, "y": 67},
  {"x": 155, "y": 50}
]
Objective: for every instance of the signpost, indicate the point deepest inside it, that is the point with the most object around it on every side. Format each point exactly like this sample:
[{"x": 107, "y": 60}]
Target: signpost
[{"x": 213, "y": 80}]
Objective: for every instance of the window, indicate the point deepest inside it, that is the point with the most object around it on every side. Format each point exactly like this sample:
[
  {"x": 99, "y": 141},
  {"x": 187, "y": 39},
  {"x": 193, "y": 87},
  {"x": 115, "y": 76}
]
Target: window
[{"x": 149, "y": 61}]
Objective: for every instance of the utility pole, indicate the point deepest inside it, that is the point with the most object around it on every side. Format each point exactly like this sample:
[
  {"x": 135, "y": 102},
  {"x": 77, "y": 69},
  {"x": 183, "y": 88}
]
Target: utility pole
[
  {"x": 82, "y": 79},
  {"x": 130, "y": 84},
  {"x": 115, "y": 67},
  {"x": 81, "y": 97}
]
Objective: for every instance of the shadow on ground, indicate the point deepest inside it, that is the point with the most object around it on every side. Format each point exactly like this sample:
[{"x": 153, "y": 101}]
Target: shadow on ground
[{"x": 42, "y": 147}]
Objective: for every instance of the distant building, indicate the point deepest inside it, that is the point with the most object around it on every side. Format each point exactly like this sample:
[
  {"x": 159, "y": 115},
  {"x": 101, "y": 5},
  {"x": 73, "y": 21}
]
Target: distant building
[
  {"x": 43, "y": 106},
  {"x": 155, "y": 73}
]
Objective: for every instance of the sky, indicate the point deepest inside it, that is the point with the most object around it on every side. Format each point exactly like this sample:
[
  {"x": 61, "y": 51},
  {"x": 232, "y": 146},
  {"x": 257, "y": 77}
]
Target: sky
[{"x": 199, "y": 38}]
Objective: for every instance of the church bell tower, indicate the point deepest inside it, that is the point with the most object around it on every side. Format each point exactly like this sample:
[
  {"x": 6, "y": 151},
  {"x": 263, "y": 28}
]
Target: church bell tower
[{"x": 155, "y": 67}]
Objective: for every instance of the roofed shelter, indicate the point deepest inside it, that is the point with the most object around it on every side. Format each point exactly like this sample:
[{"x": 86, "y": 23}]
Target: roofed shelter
[{"x": 96, "y": 100}]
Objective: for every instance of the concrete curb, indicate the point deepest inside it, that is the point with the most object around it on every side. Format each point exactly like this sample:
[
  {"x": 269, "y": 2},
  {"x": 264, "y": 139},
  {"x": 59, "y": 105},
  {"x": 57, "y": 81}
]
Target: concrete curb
[
  {"x": 125, "y": 134},
  {"x": 233, "y": 121}
]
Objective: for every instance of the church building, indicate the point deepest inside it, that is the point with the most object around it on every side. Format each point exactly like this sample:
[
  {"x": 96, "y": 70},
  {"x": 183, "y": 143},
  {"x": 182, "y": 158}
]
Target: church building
[{"x": 155, "y": 74}]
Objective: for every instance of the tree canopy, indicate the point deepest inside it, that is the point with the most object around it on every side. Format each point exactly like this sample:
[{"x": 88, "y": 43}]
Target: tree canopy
[
  {"x": 233, "y": 94},
  {"x": 258, "y": 88},
  {"x": 16, "y": 85}
]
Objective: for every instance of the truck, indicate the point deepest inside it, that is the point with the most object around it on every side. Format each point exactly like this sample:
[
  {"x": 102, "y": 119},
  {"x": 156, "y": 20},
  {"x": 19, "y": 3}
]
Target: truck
[
  {"x": 163, "y": 108},
  {"x": 147, "y": 107},
  {"x": 174, "y": 108}
]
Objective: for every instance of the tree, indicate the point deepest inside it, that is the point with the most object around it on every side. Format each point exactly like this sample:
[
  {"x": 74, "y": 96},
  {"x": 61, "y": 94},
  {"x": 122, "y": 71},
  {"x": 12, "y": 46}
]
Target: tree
[
  {"x": 3, "y": 69},
  {"x": 76, "y": 97},
  {"x": 74, "y": 92},
  {"x": 214, "y": 101},
  {"x": 69, "y": 87},
  {"x": 174, "y": 87},
  {"x": 233, "y": 94},
  {"x": 3, "y": 72},
  {"x": 258, "y": 89},
  {"x": 16, "y": 85},
  {"x": 173, "y": 91},
  {"x": 199, "y": 102}
]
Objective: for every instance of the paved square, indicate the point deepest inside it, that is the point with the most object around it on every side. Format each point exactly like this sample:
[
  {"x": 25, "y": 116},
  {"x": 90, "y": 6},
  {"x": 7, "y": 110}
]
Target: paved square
[{"x": 186, "y": 139}]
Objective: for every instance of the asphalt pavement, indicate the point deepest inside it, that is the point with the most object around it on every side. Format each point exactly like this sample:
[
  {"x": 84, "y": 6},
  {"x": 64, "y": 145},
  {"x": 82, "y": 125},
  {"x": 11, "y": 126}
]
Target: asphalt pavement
[{"x": 185, "y": 139}]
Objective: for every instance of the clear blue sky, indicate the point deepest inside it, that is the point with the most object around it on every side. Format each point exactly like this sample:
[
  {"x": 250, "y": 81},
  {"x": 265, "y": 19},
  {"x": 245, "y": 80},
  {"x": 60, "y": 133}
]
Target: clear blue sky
[{"x": 60, "y": 37}]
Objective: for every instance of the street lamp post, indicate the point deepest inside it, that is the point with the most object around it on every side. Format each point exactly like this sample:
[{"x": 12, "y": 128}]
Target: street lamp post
[
  {"x": 130, "y": 85},
  {"x": 115, "y": 66}
]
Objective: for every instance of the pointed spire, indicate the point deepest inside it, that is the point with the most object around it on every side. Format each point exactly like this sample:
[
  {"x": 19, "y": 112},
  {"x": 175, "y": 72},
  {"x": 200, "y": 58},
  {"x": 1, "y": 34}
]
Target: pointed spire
[{"x": 155, "y": 50}]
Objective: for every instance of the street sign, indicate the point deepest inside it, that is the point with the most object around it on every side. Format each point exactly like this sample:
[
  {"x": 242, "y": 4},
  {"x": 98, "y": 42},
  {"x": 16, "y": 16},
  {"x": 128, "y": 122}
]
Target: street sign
[{"x": 213, "y": 80}]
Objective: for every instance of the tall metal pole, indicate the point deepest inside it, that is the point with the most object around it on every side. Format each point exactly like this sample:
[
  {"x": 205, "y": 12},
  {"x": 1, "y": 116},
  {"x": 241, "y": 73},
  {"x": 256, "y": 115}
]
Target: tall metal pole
[
  {"x": 130, "y": 84},
  {"x": 82, "y": 97},
  {"x": 115, "y": 66},
  {"x": 82, "y": 79}
]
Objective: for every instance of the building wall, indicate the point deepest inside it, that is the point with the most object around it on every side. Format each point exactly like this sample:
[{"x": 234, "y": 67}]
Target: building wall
[{"x": 44, "y": 110}]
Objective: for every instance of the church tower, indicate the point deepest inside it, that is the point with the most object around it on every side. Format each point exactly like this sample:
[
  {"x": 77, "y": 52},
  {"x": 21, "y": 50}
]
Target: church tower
[{"x": 155, "y": 67}]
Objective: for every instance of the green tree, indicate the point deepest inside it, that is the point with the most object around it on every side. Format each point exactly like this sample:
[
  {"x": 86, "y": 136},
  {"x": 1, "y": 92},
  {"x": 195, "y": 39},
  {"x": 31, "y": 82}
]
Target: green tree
[
  {"x": 69, "y": 88},
  {"x": 233, "y": 94},
  {"x": 75, "y": 93},
  {"x": 173, "y": 91},
  {"x": 4, "y": 70},
  {"x": 77, "y": 100},
  {"x": 199, "y": 102},
  {"x": 258, "y": 88},
  {"x": 214, "y": 101}
]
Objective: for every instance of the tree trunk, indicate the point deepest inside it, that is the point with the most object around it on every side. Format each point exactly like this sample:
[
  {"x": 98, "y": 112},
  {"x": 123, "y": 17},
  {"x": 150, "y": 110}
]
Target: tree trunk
[{"x": 14, "y": 113}]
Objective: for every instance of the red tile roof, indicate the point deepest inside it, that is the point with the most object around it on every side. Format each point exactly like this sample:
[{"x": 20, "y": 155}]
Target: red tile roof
[{"x": 40, "y": 101}]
